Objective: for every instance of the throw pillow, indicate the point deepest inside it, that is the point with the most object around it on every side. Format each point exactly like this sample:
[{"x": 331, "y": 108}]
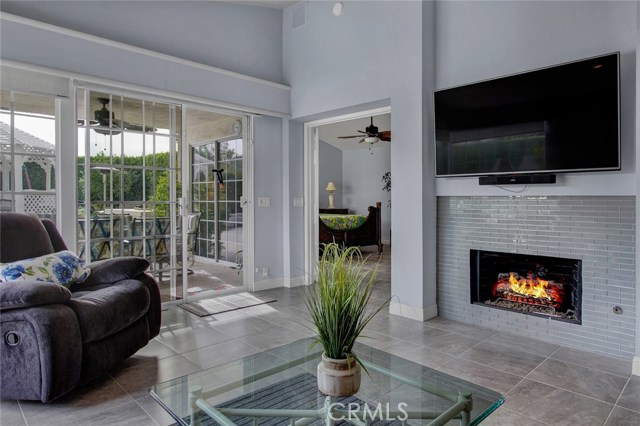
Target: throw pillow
[{"x": 63, "y": 267}]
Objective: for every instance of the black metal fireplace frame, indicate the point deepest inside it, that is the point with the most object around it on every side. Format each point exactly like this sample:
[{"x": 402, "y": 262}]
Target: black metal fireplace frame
[{"x": 475, "y": 279}]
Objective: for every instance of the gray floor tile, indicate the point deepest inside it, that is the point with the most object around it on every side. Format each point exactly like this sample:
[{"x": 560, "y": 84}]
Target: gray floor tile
[
  {"x": 443, "y": 341},
  {"x": 510, "y": 360},
  {"x": 596, "y": 361},
  {"x": 488, "y": 377},
  {"x": 460, "y": 328},
  {"x": 575, "y": 378},
  {"x": 137, "y": 380},
  {"x": 524, "y": 343},
  {"x": 98, "y": 397},
  {"x": 241, "y": 326},
  {"x": 630, "y": 397},
  {"x": 272, "y": 338},
  {"x": 150, "y": 353},
  {"x": 155, "y": 411},
  {"x": 219, "y": 354},
  {"x": 10, "y": 414},
  {"x": 395, "y": 326},
  {"x": 505, "y": 417},
  {"x": 555, "y": 406},
  {"x": 623, "y": 417},
  {"x": 419, "y": 354},
  {"x": 187, "y": 338}
]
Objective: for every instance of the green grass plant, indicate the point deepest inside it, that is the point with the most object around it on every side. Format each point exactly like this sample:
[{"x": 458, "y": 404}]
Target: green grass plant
[{"x": 338, "y": 300}]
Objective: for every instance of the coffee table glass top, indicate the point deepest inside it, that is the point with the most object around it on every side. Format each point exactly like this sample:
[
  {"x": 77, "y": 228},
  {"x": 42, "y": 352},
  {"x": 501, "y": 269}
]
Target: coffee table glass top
[{"x": 278, "y": 388}]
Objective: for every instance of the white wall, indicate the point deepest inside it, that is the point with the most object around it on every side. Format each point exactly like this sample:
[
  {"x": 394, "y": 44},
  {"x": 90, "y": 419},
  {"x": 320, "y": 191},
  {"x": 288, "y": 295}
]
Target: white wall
[
  {"x": 362, "y": 182},
  {"x": 247, "y": 40},
  {"x": 329, "y": 170},
  {"x": 482, "y": 40},
  {"x": 372, "y": 53}
]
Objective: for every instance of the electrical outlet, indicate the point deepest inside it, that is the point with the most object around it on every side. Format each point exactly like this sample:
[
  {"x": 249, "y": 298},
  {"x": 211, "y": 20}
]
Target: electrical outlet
[
  {"x": 265, "y": 272},
  {"x": 264, "y": 201},
  {"x": 298, "y": 202}
]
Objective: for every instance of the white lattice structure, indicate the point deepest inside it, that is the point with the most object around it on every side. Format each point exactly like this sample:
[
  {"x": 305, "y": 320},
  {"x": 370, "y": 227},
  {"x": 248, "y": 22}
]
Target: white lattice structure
[
  {"x": 15, "y": 152},
  {"x": 40, "y": 204}
]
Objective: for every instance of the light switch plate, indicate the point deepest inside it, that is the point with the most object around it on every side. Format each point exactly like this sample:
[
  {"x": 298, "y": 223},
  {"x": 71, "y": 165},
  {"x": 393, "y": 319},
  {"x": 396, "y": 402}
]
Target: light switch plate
[
  {"x": 264, "y": 201},
  {"x": 298, "y": 202}
]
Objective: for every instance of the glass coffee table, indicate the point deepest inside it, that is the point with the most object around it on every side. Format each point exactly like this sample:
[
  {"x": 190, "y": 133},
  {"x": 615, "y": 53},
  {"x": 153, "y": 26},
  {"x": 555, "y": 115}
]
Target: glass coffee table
[{"x": 278, "y": 388}]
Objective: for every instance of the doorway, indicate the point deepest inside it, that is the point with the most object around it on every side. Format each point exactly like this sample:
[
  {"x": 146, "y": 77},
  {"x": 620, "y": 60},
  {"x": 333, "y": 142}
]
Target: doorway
[
  {"x": 216, "y": 176},
  {"x": 353, "y": 192}
]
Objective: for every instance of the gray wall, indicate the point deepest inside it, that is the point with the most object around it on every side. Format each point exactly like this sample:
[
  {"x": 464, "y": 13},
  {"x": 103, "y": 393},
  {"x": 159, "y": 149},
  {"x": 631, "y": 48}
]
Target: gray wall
[
  {"x": 247, "y": 40},
  {"x": 329, "y": 170},
  {"x": 362, "y": 177},
  {"x": 598, "y": 230},
  {"x": 88, "y": 58},
  {"x": 481, "y": 40},
  {"x": 267, "y": 151},
  {"x": 323, "y": 62}
]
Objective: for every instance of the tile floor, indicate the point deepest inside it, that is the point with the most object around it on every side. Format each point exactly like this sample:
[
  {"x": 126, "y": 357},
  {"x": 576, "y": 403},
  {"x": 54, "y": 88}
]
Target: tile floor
[{"x": 543, "y": 383}]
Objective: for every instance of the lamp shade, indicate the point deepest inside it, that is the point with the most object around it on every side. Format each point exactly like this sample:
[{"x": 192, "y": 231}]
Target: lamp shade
[{"x": 331, "y": 187}]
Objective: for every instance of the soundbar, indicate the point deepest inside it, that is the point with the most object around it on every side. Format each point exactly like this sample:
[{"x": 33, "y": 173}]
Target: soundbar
[{"x": 517, "y": 179}]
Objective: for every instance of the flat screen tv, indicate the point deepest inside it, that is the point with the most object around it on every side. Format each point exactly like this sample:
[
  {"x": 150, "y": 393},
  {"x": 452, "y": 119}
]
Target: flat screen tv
[{"x": 563, "y": 118}]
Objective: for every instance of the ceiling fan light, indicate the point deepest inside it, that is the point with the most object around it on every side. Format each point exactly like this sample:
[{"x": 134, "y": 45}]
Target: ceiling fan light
[{"x": 372, "y": 139}]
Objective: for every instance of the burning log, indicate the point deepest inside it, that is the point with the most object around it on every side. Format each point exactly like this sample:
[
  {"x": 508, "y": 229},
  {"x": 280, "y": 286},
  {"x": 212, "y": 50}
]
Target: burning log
[{"x": 530, "y": 290}]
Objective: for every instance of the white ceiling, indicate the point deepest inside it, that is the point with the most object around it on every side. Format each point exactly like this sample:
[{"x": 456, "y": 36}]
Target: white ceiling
[{"x": 330, "y": 132}]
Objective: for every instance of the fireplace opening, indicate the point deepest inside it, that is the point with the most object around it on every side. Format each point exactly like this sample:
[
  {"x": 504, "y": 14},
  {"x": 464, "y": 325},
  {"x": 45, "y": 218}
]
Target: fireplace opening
[{"x": 535, "y": 285}]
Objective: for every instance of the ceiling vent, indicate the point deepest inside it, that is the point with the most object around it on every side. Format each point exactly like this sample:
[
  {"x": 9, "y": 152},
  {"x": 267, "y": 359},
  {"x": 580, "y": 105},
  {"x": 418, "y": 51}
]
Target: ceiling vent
[{"x": 299, "y": 16}]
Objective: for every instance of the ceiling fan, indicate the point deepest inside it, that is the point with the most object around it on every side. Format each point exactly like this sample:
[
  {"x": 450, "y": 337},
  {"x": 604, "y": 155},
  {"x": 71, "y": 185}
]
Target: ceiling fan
[
  {"x": 102, "y": 116},
  {"x": 371, "y": 135}
]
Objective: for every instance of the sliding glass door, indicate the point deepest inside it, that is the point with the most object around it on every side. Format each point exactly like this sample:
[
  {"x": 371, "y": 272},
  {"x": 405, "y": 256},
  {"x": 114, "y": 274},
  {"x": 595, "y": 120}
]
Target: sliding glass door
[{"x": 128, "y": 176}]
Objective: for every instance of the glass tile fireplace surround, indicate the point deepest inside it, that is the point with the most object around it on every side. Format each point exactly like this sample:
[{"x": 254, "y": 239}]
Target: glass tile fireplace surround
[{"x": 598, "y": 230}]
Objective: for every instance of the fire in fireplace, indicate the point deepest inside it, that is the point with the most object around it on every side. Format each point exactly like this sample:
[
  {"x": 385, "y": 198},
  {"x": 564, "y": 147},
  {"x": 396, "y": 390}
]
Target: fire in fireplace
[{"x": 536, "y": 285}]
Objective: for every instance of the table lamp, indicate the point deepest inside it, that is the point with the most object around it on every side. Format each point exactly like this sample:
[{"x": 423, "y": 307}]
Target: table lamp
[{"x": 331, "y": 188}]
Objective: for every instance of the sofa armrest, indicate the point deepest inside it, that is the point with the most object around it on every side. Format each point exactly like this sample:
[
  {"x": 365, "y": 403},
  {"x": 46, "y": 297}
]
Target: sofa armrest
[
  {"x": 111, "y": 271},
  {"x": 20, "y": 294}
]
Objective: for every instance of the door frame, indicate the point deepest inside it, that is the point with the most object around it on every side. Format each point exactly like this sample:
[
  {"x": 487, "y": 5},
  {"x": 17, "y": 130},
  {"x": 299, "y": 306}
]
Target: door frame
[
  {"x": 311, "y": 191},
  {"x": 248, "y": 281}
]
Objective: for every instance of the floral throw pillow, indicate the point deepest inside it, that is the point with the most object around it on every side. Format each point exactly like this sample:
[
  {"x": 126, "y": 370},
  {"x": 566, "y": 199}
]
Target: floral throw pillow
[{"x": 63, "y": 267}]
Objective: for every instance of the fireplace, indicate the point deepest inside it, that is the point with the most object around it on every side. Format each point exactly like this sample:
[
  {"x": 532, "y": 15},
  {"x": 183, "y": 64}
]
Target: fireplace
[{"x": 544, "y": 286}]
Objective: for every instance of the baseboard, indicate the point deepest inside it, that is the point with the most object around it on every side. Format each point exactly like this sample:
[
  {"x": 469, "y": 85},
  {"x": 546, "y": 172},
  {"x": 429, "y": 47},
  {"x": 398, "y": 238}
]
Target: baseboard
[
  {"x": 413, "y": 312},
  {"x": 386, "y": 242},
  {"x": 635, "y": 370},
  {"x": 268, "y": 284},
  {"x": 294, "y": 282}
]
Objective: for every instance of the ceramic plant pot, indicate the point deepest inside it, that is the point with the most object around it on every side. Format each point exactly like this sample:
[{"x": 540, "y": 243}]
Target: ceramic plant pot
[{"x": 335, "y": 378}]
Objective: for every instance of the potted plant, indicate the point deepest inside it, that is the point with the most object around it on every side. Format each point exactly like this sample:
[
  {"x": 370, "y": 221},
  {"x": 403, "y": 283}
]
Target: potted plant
[{"x": 338, "y": 307}]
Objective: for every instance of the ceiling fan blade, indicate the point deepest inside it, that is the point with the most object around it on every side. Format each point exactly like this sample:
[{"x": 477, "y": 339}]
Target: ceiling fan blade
[
  {"x": 138, "y": 127},
  {"x": 349, "y": 137},
  {"x": 361, "y": 140},
  {"x": 385, "y": 135},
  {"x": 362, "y": 131}
]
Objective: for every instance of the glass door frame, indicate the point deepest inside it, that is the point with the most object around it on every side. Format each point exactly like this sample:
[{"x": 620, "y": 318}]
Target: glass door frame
[{"x": 186, "y": 200}]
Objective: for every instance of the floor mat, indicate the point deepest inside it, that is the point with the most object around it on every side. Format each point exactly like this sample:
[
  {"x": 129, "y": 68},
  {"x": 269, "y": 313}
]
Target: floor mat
[{"x": 231, "y": 302}]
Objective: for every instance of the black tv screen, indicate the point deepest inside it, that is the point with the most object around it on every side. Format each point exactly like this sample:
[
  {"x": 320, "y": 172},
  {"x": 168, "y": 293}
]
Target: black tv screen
[{"x": 563, "y": 118}]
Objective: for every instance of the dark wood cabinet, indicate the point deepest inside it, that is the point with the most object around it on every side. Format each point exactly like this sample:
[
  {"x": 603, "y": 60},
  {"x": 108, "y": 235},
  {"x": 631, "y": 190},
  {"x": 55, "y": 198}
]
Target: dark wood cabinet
[{"x": 334, "y": 211}]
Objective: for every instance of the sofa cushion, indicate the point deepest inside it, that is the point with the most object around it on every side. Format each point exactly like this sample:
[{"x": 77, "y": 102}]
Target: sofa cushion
[
  {"x": 109, "y": 309},
  {"x": 111, "y": 271},
  {"x": 23, "y": 236},
  {"x": 64, "y": 268}
]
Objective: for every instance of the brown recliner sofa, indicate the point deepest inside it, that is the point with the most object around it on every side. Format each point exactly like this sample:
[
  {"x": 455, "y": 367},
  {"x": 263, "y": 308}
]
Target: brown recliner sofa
[{"x": 53, "y": 338}]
